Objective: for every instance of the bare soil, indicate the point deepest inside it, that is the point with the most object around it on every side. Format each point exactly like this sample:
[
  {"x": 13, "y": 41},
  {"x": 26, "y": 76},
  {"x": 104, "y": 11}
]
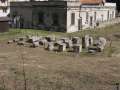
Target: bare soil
[{"x": 56, "y": 71}]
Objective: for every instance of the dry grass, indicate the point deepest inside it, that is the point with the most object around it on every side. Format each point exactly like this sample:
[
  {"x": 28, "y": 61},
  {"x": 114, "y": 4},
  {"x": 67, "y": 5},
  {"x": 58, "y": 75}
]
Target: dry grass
[
  {"x": 48, "y": 71},
  {"x": 59, "y": 71}
]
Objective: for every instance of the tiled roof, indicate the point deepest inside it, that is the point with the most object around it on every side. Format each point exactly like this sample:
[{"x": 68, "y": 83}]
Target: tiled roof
[{"x": 91, "y": 1}]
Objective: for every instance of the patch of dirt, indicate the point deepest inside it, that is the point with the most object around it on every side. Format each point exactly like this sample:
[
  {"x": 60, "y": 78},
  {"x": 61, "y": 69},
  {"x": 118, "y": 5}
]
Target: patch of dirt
[{"x": 50, "y": 71}]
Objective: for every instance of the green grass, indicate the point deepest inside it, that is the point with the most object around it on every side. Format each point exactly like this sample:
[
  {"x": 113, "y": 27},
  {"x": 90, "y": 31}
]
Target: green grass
[
  {"x": 94, "y": 32},
  {"x": 22, "y": 32}
]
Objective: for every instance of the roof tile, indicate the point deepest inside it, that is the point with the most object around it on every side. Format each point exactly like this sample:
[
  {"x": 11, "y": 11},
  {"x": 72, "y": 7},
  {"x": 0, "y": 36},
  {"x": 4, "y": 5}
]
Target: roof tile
[{"x": 91, "y": 1}]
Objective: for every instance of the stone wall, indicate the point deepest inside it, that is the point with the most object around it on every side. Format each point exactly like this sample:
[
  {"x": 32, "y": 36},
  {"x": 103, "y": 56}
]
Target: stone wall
[
  {"x": 30, "y": 13},
  {"x": 48, "y": 17},
  {"x": 25, "y": 12}
]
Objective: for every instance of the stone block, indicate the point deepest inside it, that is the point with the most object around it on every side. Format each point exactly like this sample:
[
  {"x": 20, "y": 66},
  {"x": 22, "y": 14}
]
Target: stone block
[
  {"x": 85, "y": 41},
  {"x": 42, "y": 41},
  {"x": 62, "y": 47},
  {"x": 21, "y": 43},
  {"x": 16, "y": 40},
  {"x": 36, "y": 44},
  {"x": 46, "y": 45},
  {"x": 64, "y": 40},
  {"x": 51, "y": 46},
  {"x": 21, "y": 38},
  {"x": 91, "y": 41},
  {"x": 34, "y": 39},
  {"x": 102, "y": 41},
  {"x": 76, "y": 40},
  {"x": 50, "y": 38},
  {"x": 92, "y": 49},
  {"x": 58, "y": 42},
  {"x": 69, "y": 44},
  {"x": 77, "y": 48},
  {"x": 10, "y": 42}
]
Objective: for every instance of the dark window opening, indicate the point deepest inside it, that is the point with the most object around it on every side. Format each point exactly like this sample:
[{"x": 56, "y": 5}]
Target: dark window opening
[
  {"x": 102, "y": 17},
  {"x": 108, "y": 16},
  {"x": 80, "y": 23},
  {"x": 4, "y": 9},
  {"x": 112, "y": 14},
  {"x": 91, "y": 21},
  {"x": 95, "y": 16},
  {"x": 72, "y": 18},
  {"x": 87, "y": 16}
]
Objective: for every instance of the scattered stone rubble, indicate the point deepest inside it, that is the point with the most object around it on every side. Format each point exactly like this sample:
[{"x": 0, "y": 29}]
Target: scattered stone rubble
[{"x": 74, "y": 44}]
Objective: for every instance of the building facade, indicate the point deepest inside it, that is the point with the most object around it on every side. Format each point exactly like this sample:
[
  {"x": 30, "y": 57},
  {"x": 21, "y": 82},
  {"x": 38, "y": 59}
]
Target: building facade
[
  {"x": 63, "y": 15},
  {"x": 3, "y": 8},
  {"x": 117, "y": 5}
]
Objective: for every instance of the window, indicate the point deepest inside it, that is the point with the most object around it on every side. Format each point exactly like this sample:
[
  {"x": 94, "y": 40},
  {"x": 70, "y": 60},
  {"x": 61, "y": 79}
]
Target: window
[
  {"x": 80, "y": 23},
  {"x": 55, "y": 18},
  {"x": 112, "y": 14},
  {"x": 102, "y": 17},
  {"x": 4, "y": 9},
  {"x": 87, "y": 16},
  {"x": 72, "y": 18},
  {"x": 41, "y": 17},
  {"x": 108, "y": 16},
  {"x": 91, "y": 21},
  {"x": 95, "y": 16}
]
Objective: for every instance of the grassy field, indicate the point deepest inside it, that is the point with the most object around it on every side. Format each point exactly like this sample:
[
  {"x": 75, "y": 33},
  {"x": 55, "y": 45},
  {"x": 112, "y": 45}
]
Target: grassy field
[
  {"x": 24, "y": 68},
  {"x": 95, "y": 32}
]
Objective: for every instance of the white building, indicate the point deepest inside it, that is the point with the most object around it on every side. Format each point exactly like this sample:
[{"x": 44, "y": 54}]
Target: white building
[
  {"x": 62, "y": 15},
  {"x": 96, "y": 14}
]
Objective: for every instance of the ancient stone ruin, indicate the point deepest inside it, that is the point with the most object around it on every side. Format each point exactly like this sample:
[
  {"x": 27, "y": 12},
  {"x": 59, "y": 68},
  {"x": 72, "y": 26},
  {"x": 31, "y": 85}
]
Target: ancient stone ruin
[{"x": 64, "y": 44}]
